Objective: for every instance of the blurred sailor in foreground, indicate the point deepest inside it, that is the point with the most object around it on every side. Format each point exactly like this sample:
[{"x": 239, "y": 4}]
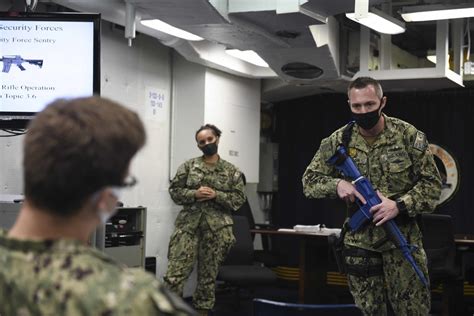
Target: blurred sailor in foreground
[{"x": 76, "y": 159}]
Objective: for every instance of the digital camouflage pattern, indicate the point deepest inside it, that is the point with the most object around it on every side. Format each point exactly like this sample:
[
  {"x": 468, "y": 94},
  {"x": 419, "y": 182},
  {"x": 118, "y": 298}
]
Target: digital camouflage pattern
[
  {"x": 203, "y": 230},
  {"x": 406, "y": 293},
  {"x": 223, "y": 177},
  {"x": 65, "y": 277},
  {"x": 399, "y": 164},
  {"x": 210, "y": 248}
]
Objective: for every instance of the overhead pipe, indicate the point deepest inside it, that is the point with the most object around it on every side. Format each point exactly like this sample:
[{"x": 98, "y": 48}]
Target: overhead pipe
[{"x": 130, "y": 26}]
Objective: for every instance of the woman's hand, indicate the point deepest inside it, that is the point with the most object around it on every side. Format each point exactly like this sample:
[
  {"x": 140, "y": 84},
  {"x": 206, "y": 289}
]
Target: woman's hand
[{"x": 204, "y": 194}]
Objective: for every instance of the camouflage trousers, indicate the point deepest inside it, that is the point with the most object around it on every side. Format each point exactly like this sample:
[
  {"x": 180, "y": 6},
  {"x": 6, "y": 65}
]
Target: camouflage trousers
[
  {"x": 398, "y": 284},
  {"x": 209, "y": 248}
]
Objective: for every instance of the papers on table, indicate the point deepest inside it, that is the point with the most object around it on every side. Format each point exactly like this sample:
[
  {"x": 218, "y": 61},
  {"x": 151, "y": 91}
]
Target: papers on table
[{"x": 314, "y": 229}]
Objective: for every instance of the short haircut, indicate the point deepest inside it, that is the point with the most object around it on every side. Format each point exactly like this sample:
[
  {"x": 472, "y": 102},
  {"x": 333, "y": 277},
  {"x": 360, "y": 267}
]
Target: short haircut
[
  {"x": 74, "y": 148},
  {"x": 217, "y": 132},
  {"x": 363, "y": 82}
]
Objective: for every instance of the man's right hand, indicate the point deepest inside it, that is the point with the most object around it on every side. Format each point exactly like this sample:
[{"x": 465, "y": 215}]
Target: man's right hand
[{"x": 347, "y": 192}]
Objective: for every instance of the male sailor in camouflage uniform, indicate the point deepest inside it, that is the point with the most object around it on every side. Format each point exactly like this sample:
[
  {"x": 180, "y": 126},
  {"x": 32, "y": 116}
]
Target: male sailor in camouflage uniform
[
  {"x": 76, "y": 157},
  {"x": 395, "y": 158},
  {"x": 210, "y": 189}
]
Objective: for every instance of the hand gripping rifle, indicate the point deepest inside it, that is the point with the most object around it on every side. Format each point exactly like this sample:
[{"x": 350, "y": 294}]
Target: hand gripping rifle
[{"x": 344, "y": 163}]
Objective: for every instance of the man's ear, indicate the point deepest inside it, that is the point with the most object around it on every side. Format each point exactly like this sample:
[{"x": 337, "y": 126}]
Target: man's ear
[
  {"x": 110, "y": 199},
  {"x": 217, "y": 140},
  {"x": 99, "y": 201},
  {"x": 383, "y": 102},
  {"x": 104, "y": 200}
]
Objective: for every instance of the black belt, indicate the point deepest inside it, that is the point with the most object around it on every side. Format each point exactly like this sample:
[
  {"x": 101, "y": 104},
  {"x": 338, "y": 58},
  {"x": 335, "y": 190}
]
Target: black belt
[
  {"x": 361, "y": 253},
  {"x": 367, "y": 270},
  {"x": 364, "y": 271}
]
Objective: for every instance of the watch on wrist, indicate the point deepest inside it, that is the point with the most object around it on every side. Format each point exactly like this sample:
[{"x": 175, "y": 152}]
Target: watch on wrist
[{"x": 402, "y": 208}]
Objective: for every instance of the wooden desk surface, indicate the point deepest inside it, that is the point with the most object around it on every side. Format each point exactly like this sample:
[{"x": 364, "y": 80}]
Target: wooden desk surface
[{"x": 464, "y": 239}]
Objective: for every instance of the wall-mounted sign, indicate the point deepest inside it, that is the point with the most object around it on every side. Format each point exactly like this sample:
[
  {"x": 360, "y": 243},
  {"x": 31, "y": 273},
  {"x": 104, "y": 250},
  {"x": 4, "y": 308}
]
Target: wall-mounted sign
[
  {"x": 156, "y": 103},
  {"x": 449, "y": 169}
]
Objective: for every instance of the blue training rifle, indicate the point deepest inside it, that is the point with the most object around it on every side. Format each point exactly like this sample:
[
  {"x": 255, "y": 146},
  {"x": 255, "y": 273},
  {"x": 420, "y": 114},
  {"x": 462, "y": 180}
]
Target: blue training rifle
[{"x": 344, "y": 163}]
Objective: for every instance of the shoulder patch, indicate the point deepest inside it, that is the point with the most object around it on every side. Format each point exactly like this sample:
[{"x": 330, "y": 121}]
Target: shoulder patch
[
  {"x": 237, "y": 176},
  {"x": 420, "y": 141}
]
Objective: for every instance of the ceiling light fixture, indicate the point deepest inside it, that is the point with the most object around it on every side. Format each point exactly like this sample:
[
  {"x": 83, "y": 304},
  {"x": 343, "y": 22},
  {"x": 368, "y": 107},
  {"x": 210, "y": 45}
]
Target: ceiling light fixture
[
  {"x": 431, "y": 56},
  {"x": 171, "y": 30},
  {"x": 437, "y": 12},
  {"x": 247, "y": 55},
  {"x": 375, "y": 19}
]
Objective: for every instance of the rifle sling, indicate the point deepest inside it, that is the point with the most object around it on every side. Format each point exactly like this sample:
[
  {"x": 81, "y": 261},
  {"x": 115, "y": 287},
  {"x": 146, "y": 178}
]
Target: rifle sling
[{"x": 346, "y": 134}]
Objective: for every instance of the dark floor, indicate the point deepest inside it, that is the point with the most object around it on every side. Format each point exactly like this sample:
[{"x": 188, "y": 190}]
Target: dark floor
[{"x": 232, "y": 303}]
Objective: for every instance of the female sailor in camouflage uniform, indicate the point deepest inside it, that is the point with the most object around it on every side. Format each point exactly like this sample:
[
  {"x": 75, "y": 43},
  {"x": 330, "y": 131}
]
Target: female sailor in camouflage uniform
[{"x": 210, "y": 189}]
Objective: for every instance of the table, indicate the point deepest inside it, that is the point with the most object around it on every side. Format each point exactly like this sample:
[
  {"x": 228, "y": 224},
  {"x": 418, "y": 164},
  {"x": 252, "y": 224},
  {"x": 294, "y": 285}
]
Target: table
[
  {"x": 313, "y": 263},
  {"x": 465, "y": 241}
]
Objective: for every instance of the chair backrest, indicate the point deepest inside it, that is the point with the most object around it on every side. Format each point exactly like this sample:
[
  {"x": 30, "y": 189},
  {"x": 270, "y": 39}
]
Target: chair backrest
[
  {"x": 263, "y": 307},
  {"x": 439, "y": 245},
  {"x": 246, "y": 211},
  {"x": 241, "y": 252}
]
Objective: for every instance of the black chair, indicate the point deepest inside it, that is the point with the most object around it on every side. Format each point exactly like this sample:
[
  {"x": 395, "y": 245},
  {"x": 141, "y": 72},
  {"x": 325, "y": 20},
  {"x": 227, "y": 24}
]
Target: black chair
[
  {"x": 271, "y": 308},
  {"x": 266, "y": 255},
  {"x": 443, "y": 268},
  {"x": 238, "y": 270}
]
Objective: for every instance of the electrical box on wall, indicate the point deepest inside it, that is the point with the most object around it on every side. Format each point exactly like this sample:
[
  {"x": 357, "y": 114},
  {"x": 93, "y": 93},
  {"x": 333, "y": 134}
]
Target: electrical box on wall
[
  {"x": 123, "y": 236},
  {"x": 268, "y": 175}
]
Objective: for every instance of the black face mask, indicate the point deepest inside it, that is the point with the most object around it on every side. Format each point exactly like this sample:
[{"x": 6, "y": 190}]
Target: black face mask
[
  {"x": 209, "y": 149},
  {"x": 367, "y": 120}
]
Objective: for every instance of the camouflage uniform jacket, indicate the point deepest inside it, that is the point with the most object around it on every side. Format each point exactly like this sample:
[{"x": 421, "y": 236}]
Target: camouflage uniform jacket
[
  {"x": 65, "y": 277},
  {"x": 399, "y": 164},
  {"x": 223, "y": 177}
]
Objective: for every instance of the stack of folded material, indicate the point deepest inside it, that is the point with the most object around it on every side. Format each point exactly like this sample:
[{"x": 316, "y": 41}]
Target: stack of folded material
[{"x": 319, "y": 229}]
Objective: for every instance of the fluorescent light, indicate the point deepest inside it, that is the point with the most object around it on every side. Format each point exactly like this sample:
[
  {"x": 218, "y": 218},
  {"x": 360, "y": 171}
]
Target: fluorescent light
[
  {"x": 436, "y": 12},
  {"x": 379, "y": 21},
  {"x": 432, "y": 57},
  {"x": 171, "y": 30},
  {"x": 247, "y": 55}
]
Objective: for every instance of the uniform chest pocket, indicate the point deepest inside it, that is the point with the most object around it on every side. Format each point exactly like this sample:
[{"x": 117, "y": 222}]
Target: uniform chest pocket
[
  {"x": 223, "y": 181},
  {"x": 360, "y": 161},
  {"x": 398, "y": 169},
  {"x": 398, "y": 162},
  {"x": 194, "y": 179}
]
